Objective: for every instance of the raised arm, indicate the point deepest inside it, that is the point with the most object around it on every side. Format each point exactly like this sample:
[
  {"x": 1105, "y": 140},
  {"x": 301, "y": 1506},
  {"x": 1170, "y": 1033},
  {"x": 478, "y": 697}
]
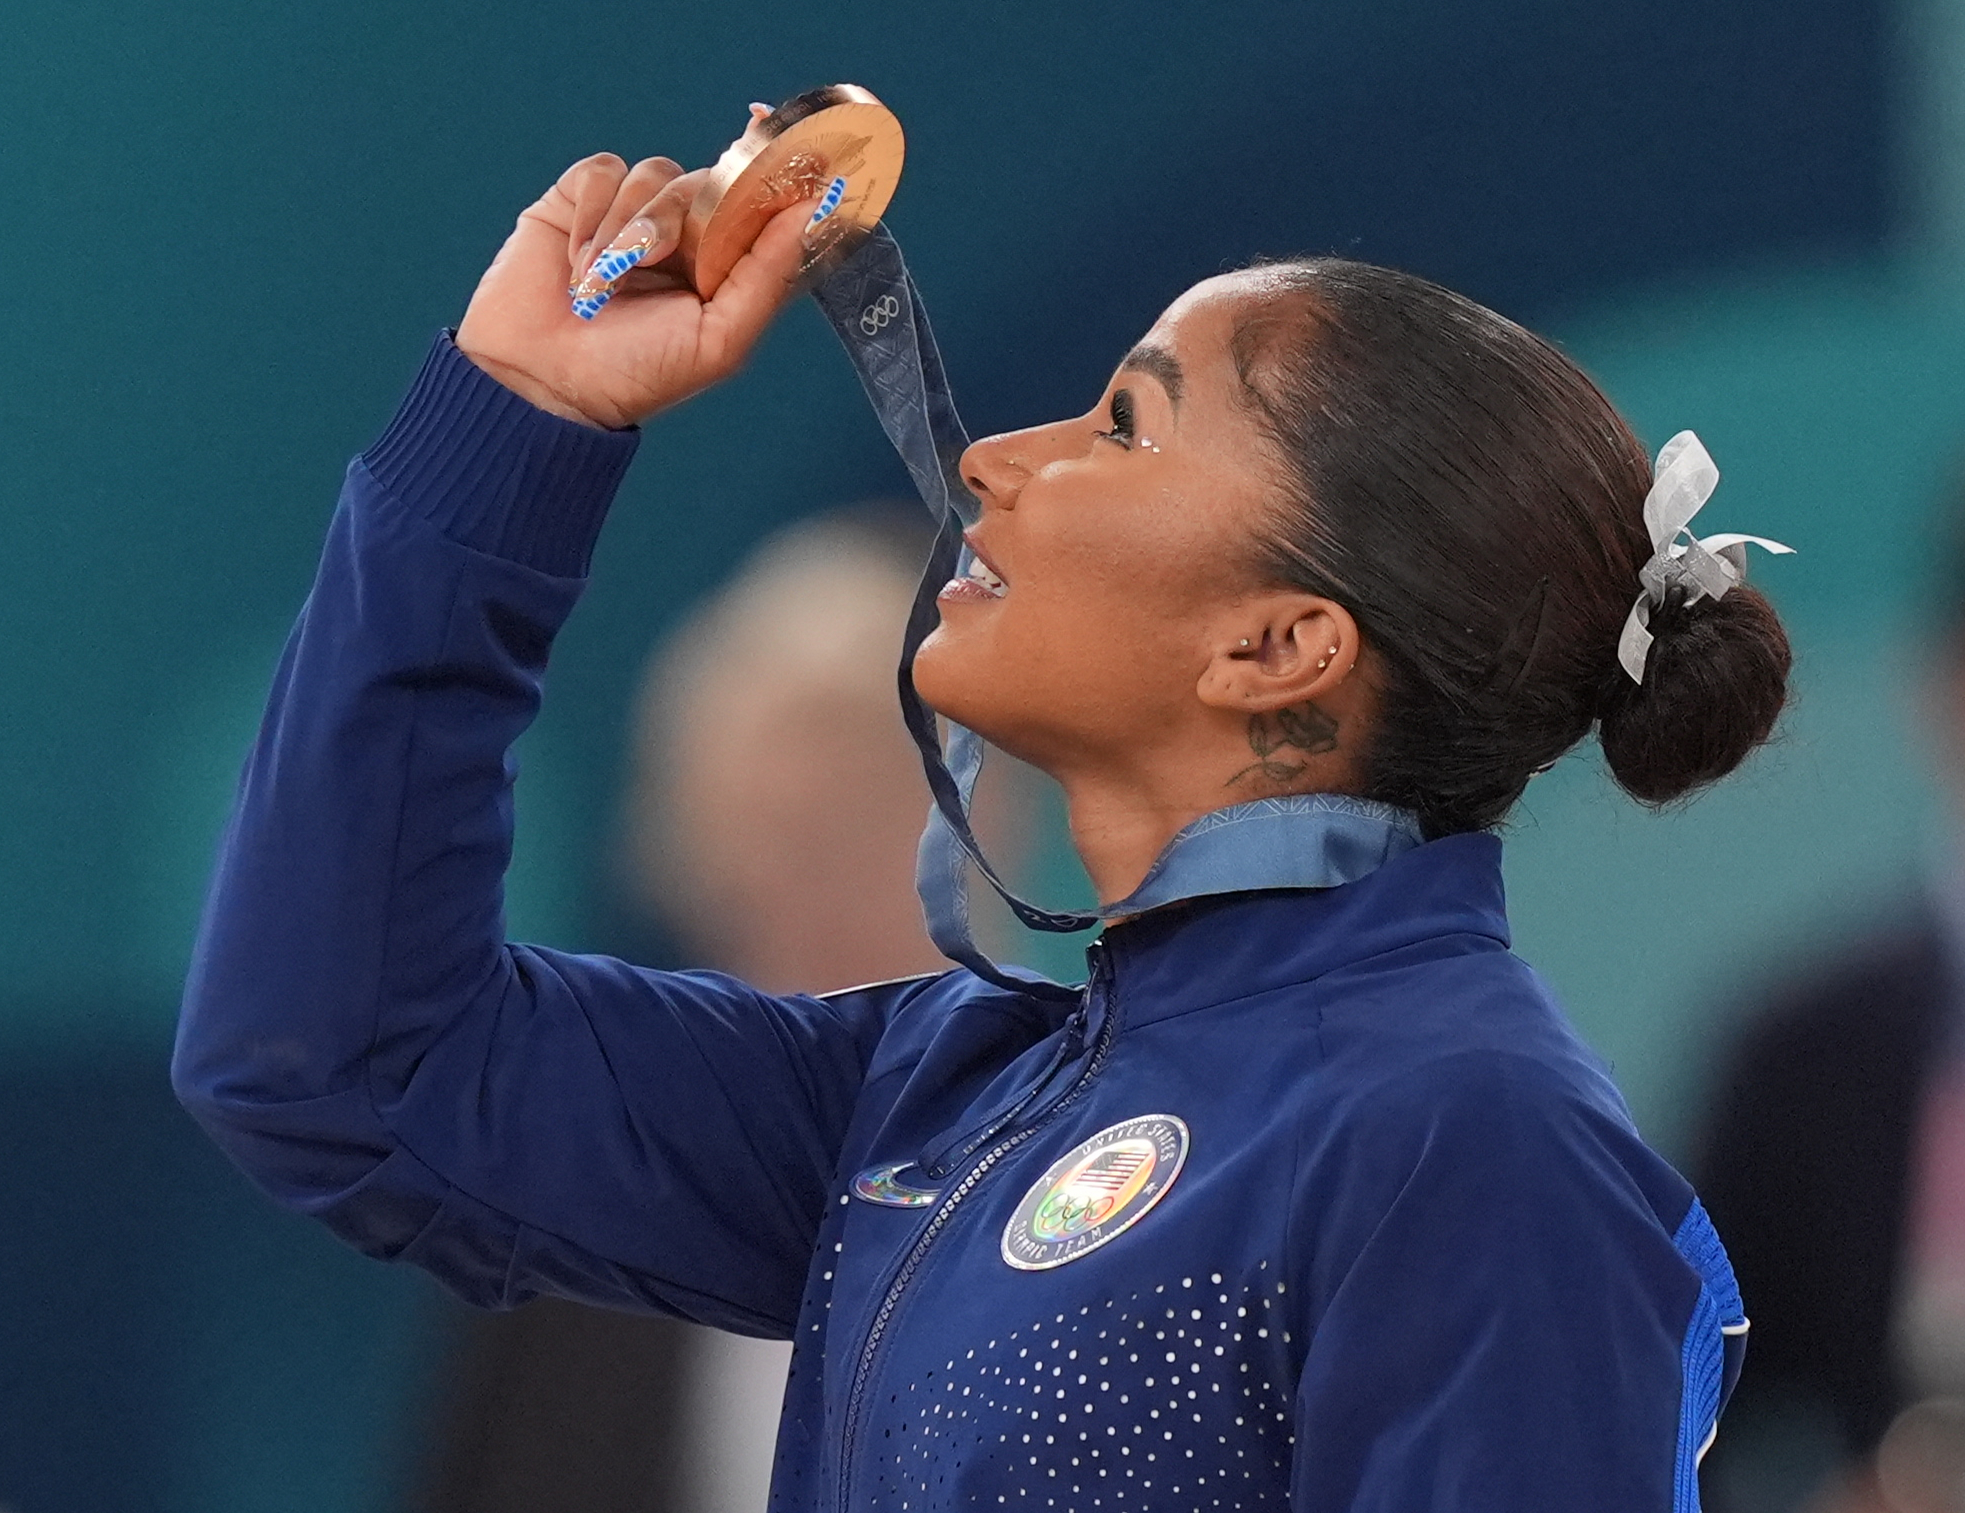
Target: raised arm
[{"x": 357, "y": 1033}]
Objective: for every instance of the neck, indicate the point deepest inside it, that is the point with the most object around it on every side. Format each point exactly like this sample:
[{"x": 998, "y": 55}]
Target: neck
[
  {"x": 1120, "y": 828},
  {"x": 1123, "y": 809},
  {"x": 1118, "y": 831}
]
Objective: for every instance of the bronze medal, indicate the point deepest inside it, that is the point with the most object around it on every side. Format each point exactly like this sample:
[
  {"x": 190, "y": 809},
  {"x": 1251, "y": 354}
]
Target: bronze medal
[{"x": 795, "y": 154}]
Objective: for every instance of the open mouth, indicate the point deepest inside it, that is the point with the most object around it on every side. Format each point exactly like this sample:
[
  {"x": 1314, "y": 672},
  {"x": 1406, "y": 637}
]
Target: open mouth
[
  {"x": 980, "y": 582},
  {"x": 980, "y": 572}
]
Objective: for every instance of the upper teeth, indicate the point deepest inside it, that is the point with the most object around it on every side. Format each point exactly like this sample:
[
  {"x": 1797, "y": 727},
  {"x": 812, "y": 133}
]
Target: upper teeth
[{"x": 979, "y": 570}]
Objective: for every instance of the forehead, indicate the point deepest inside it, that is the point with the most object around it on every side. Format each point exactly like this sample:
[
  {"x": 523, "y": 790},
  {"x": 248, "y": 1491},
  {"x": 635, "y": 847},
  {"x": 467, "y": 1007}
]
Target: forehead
[
  {"x": 1221, "y": 432},
  {"x": 1223, "y": 297},
  {"x": 1200, "y": 326}
]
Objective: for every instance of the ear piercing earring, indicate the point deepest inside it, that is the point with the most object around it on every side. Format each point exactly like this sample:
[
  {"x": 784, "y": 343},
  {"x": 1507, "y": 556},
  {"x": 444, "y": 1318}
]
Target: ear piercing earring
[{"x": 1329, "y": 656}]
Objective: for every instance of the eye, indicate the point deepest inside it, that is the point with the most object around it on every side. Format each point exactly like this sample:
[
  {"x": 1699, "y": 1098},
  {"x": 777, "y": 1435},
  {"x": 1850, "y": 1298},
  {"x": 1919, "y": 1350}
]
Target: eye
[{"x": 1122, "y": 419}]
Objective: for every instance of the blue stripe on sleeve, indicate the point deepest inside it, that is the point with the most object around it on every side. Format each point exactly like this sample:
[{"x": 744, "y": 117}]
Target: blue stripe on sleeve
[{"x": 1714, "y": 1341}]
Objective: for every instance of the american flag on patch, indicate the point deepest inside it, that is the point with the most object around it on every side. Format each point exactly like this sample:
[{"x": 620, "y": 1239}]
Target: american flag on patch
[{"x": 1112, "y": 1170}]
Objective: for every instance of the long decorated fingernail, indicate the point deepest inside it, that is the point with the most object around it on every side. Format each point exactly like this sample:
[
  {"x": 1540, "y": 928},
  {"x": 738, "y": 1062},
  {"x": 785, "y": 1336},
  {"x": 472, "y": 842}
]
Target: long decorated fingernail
[
  {"x": 828, "y": 204},
  {"x": 627, "y": 251},
  {"x": 620, "y": 255},
  {"x": 587, "y": 306}
]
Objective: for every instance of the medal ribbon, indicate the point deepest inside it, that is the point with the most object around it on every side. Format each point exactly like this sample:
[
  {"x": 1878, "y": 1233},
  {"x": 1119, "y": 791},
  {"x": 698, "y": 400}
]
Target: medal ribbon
[{"x": 1314, "y": 840}]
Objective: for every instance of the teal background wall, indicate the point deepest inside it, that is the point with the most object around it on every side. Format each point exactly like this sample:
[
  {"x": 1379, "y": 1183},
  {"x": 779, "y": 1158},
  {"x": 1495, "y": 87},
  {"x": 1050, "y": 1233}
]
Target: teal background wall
[{"x": 229, "y": 231}]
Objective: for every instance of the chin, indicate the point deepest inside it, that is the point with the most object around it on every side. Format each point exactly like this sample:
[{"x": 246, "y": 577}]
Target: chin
[
  {"x": 970, "y": 690},
  {"x": 962, "y": 686},
  {"x": 947, "y": 684}
]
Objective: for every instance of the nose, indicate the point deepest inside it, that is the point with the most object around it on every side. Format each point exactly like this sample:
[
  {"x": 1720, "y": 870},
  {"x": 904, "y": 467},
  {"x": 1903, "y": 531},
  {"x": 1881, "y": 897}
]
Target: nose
[
  {"x": 997, "y": 467},
  {"x": 994, "y": 471}
]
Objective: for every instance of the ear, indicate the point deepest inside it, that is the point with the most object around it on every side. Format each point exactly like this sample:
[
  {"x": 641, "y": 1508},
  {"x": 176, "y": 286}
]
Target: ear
[{"x": 1278, "y": 650}]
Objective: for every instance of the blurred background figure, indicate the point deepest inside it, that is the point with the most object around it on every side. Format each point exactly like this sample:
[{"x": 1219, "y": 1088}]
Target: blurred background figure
[
  {"x": 1833, "y": 1161},
  {"x": 770, "y": 828},
  {"x": 777, "y": 799}
]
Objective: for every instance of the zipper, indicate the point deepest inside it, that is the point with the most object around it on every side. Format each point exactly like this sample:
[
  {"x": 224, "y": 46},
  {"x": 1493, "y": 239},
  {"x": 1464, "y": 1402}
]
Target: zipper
[
  {"x": 937, "y": 1164},
  {"x": 918, "y": 1252}
]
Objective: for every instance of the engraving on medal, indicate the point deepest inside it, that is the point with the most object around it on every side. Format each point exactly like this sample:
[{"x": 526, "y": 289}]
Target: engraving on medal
[
  {"x": 800, "y": 178},
  {"x": 806, "y": 172},
  {"x": 1096, "y": 1192},
  {"x": 791, "y": 155}
]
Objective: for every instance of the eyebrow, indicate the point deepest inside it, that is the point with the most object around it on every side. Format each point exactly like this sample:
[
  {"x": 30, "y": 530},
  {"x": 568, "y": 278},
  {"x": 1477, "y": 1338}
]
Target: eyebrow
[{"x": 1160, "y": 363}]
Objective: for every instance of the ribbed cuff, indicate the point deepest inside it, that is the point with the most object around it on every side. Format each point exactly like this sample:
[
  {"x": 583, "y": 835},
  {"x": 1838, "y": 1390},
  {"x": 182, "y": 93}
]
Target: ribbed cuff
[{"x": 496, "y": 473}]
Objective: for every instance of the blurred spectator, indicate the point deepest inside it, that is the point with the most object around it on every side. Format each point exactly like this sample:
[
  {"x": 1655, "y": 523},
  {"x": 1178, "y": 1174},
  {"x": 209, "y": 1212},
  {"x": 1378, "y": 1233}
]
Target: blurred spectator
[
  {"x": 777, "y": 800},
  {"x": 1833, "y": 1164},
  {"x": 773, "y": 813}
]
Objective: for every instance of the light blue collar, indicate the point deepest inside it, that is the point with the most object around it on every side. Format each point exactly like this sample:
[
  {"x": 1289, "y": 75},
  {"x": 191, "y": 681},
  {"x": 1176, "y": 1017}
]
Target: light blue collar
[{"x": 1311, "y": 840}]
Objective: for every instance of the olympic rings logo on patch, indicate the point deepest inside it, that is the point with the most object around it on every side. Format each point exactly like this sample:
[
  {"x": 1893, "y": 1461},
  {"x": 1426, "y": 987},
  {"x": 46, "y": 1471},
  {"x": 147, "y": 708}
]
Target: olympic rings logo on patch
[{"x": 874, "y": 319}]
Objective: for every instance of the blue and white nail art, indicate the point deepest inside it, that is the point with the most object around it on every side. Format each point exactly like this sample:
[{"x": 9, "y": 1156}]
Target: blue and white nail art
[
  {"x": 596, "y": 287},
  {"x": 616, "y": 261},
  {"x": 828, "y": 203}
]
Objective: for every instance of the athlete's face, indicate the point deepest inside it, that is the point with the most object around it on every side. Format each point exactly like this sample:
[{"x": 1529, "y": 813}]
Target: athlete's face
[{"x": 1121, "y": 540}]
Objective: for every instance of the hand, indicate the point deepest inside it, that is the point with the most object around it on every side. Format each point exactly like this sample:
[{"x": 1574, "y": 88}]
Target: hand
[{"x": 656, "y": 343}]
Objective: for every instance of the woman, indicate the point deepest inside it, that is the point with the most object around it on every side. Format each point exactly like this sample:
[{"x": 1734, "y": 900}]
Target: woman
[{"x": 1312, "y": 1198}]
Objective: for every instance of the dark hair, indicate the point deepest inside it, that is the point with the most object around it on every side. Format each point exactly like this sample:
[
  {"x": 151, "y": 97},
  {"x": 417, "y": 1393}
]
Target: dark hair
[{"x": 1474, "y": 500}]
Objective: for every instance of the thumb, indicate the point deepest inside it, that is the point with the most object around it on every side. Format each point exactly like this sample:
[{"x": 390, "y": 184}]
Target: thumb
[{"x": 761, "y": 283}]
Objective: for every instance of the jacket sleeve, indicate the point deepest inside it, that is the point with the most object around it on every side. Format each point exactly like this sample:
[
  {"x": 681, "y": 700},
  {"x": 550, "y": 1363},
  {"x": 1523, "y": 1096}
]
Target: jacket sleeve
[
  {"x": 358, "y": 1035},
  {"x": 1501, "y": 1321}
]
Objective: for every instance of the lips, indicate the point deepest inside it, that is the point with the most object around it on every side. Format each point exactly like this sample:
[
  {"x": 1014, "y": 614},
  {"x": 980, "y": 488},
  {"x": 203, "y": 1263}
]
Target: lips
[{"x": 980, "y": 584}]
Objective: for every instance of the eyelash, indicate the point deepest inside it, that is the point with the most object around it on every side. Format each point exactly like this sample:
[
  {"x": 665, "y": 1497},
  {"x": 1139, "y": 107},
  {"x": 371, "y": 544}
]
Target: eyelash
[{"x": 1122, "y": 420}]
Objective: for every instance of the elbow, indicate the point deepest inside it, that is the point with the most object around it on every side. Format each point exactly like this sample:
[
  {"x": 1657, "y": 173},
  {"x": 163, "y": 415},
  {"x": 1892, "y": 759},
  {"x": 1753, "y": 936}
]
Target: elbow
[
  {"x": 185, "y": 1082},
  {"x": 226, "y": 1062},
  {"x": 255, "y": 1036},
  {"x": 305, "y": 1130},
  {"x": 200, "y": 1059}
]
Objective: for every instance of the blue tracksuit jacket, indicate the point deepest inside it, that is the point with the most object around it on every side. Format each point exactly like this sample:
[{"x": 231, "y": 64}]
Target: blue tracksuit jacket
[{"x": 1314, "y": 1200}]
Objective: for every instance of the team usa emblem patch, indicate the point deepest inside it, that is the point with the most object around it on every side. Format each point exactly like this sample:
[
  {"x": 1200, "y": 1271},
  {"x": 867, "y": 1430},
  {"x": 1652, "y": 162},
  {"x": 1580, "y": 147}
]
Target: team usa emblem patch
[{"x": 1096, "y": 1193}]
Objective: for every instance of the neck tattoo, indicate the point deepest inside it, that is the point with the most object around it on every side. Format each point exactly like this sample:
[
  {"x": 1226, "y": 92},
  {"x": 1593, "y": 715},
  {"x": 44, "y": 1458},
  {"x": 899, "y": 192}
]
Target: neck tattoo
[{"x": 1305, "y": 729}]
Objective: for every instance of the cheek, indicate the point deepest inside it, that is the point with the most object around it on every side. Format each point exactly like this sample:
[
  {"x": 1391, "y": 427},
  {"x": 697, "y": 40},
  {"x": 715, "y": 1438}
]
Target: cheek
[
  {"x": 1156, "y": 571},
  {"x": 1118, "y": 613},
  {"x": 1106, "y": 626}
]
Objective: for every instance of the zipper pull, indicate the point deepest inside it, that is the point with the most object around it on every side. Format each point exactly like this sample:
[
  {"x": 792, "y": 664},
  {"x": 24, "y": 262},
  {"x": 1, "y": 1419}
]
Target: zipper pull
[{"x": 943, "y": 1157}]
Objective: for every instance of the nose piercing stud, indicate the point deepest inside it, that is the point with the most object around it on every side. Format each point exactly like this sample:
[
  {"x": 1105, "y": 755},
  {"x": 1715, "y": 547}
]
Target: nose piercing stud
[{"x": 1245, "y": 641}]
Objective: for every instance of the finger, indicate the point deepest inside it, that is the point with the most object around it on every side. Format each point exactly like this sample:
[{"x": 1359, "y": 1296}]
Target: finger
[
  {"x": 754, "y": 123},
  {"x": 645, "y": 240},
  {"x": 758, "y": 287},
  {"x": 644, "y": 182},
  {"x": 534, "y": 256},
  {"x": 555, "y": 207},
  {"x": 593, "y": 184}
]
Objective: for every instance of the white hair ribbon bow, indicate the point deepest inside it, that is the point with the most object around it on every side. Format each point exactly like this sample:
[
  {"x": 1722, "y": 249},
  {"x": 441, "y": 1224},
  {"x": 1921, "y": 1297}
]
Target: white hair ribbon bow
[{"x": 1706, "y": 567}]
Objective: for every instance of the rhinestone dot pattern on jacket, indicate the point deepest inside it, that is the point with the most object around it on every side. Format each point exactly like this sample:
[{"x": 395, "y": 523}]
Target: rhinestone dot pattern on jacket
[{"x": 1164, "y": 1397}]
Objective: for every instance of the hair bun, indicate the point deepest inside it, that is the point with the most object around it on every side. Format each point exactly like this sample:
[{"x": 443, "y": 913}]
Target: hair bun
[{"x": 1713, "y": 687}]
